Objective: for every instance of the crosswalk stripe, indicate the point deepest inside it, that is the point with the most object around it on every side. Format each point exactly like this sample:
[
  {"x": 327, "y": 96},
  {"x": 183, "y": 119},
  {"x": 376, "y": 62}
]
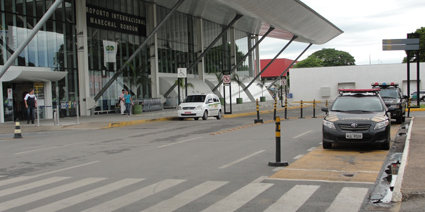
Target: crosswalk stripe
[
  {"x": 14, "y": 180},
  {"x": 186, "y": 197},
  {"x": 86, "y": 195},
  {"x": 293, "y": 199},
  {"x": 239, "y": 197},
  {"x": 47, "y": 193},
  {"x": 349, "y": 199},
  {"x": 31, "y": 185},
  {"x": 135, "y": 196}
]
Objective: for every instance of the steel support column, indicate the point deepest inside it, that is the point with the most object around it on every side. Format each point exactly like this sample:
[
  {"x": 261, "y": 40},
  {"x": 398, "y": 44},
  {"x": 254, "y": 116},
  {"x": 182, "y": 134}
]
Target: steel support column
[
  {"x": 277, "y": 55},
  {"x": 195, "y": 63},
  {"x": 119, "y": 72},
  {"x": 287, "y": 68},
  {"x": 244, "y": 57},
  {"x": 28, "y": 39}
]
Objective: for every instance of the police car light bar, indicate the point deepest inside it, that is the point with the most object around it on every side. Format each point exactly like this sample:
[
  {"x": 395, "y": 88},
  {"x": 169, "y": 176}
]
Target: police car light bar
[
  {"x": 384, "y": 84},
  {"x": 374, "y": 90}
]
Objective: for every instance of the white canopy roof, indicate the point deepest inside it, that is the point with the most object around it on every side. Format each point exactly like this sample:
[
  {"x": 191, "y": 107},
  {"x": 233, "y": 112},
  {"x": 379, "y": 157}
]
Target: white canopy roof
[
  {"x": 33, "y": 74},
  {"x": 289, "y": 17}
]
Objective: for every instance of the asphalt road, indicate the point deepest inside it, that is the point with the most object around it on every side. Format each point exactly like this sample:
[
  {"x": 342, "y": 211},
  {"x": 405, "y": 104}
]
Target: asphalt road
[{"x": 212, "y": 165}]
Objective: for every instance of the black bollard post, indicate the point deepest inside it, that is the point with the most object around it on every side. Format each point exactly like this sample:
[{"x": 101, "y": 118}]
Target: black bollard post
[
  {"x": 278, "y": 162},
  {"x": 314, "y": 108},
  {"x": 326, "y": 104},
  {"x": 286, "y": 107},
  {"x": 408, "y": 107},
  {"x": 258, "y": 120},
  {"x": 301, "y": 104},
  {"x": 18, "y": 133},
  {"x": 275, "y": 102}
]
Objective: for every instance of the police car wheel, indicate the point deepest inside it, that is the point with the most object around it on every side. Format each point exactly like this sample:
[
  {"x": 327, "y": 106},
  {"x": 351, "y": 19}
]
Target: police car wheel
[
  {"x": 196, "y": 118},
  {"x": 326, "y": 145},
  {"x": 205, "y": 116},
  {"x": 399, "y": 120}
]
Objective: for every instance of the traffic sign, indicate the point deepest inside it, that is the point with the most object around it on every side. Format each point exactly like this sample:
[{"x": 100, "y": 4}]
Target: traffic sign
[
  {"x": 400, "y": 47},
  {"x": 226, "y": 79},
  {"x": 181, "y": 72},
  {"x": 401, "y": 41}
]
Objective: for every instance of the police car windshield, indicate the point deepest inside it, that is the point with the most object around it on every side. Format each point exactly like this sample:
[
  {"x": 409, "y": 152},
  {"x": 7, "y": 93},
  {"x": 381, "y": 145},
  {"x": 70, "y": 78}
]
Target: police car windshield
[
  {"x": 355, "y": 104},
  {"x": 195, "y": 98},
  {"x": 389, "y": 93}
]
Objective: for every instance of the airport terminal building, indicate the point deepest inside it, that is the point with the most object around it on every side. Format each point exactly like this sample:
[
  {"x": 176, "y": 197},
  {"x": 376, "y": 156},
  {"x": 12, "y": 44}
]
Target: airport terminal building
[{"x": 87, "y": 51}]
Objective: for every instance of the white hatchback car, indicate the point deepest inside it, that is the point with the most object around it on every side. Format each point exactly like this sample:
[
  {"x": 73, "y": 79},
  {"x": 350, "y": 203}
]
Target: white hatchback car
[{"x": 202, "y": 105}]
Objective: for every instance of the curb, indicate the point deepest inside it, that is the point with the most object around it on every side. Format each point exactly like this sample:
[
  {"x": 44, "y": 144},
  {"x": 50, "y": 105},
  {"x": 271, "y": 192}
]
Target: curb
[{"x": 397, "y": 194}]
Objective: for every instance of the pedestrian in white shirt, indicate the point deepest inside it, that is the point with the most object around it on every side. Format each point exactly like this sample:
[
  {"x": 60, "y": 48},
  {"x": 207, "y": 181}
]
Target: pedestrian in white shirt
[
  {"x": 122, "y": 102},
  {"x": 30, "y": 104}
]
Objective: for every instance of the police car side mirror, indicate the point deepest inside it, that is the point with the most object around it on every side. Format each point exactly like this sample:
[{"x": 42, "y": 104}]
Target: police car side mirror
[{"x": 325, "y": 109}]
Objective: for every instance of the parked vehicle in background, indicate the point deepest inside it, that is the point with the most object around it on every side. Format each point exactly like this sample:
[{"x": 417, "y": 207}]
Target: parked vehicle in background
[
  {"x": 357, "y": 116},
  {"x": 414, "y": 95},
  {"x": 197, "y": 106},
  {"x": 394, "y": 98}
]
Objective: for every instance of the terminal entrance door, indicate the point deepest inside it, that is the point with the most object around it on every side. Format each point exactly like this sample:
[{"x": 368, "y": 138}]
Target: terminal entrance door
[{"x": 13, "y": 100}]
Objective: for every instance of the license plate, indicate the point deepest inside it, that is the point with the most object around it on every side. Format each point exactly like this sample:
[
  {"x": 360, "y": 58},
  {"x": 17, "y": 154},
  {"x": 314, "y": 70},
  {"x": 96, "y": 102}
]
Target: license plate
[
  {"x": 354, "y": 135},
  {"x": 187, "y": 112}
]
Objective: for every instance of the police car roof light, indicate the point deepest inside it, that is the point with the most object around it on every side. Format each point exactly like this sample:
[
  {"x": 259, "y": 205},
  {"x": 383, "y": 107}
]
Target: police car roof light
[{"x": 372, "y": 90}]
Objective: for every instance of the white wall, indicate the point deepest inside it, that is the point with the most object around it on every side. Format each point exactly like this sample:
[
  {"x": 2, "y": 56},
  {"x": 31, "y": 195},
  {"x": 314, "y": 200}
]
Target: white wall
[{"x": 307, "y": 83}]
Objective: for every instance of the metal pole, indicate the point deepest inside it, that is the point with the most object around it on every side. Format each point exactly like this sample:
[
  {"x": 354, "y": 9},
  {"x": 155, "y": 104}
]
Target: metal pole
[
  {"x": 301, "y": 104},
  {"x": 28, "y": 39},
  {"x": 78, "y": 111},
  {"x": 418, "y": 79},
  {"x": 38, "y": 117},
  {"x": 115, "y": 76},
  {"x": 244, "y": 57},
  {"x": 275, "y": 102},
  {"x": 258, "y": 120},
  {"x": 281, "y": 96},
  {"x": 286, "y": 108},
  {"x": 178, "y": 91},
  {"x": 287, "y": 68},
  {"x": 408, "y": 74},
  {"x": 408, "y": 106},
  {"x": 57, "y": 103},
  {"x": 277, "y": 55},
  {"x": 237, "y": 17},
  {"x": 314, "y": 108}
]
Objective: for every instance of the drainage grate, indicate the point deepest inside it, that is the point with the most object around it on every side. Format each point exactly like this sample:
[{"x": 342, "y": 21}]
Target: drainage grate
[{"x": 348, "y": 175}]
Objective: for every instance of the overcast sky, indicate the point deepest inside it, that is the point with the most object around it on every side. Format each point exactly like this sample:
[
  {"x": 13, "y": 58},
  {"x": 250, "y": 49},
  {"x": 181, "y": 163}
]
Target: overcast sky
[{"x": 365, "y": 24}]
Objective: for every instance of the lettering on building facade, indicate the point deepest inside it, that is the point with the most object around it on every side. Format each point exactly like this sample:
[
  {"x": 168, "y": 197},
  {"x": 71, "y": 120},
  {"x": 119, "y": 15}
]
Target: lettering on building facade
[{"x": 102, "y": 18}]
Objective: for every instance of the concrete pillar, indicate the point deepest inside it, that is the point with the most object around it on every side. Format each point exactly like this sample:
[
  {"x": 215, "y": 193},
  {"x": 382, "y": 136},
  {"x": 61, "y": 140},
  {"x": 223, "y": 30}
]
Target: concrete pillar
[
  {"x": 200, "y": 45},
  {"x": 250, "y": 58},
  {"x": 2, "y": 103},
  {"x": 48, "y": 110},
  {"x": 153, "y": 45},
  {"x": 83, "y": 67},
  {"x": 232, "y": 40},
  {"x": 257, "y": 58}
]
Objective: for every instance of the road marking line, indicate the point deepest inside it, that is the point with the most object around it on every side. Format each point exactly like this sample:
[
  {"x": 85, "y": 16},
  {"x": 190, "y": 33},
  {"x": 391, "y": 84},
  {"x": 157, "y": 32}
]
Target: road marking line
[
  {"x": 303, "y": 134},
  {"x": 48, "y": 148},
  {"x": 15, "y": 180},
  {"x": 239, "y": 197},
  {"x": 47, "y": 193},
  {"x": 258, "y": 180},
  {"x": 31, "y": 185},
  {"x": 72, "y": 167},
  {"x": 278, "y": 169},
  {"x": 325, "y": 181},
  {"x": 179, "y": 142},
  {"x": 349, "y": 200},
  {"x": 298, "y": 156},
  {"x": 292, "y": 200},
  {"x": 311, "y": 149},
  {"x": 239, "y": 160},
  {"x": 64, "y": 203},
  {"x": 135, "y": 196},
  {"x": 186, "y": 197}
]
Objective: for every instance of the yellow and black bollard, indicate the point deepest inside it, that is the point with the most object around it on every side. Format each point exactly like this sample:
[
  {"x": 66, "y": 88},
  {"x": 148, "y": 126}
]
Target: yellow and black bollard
[
  {"x": 17, "y": 130},
  {"x": 275, "y": 102},
  {"x": 301, "y": 104},
  {"x": 314, "y": 108},
  {"x": 408, "y": 107},
  {"x": 278, "y": 162},
  {"x": 286, "y": 108},
  {"x": 258, "y": 120},
  {"x": 326, "y": 104}
]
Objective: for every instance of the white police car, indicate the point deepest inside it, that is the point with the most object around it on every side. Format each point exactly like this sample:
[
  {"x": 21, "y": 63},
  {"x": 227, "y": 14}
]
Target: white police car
[{"x": 197, "y": 106}]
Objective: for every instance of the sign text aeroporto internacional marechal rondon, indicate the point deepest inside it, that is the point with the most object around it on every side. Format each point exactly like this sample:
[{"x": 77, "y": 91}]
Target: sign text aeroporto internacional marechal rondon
[{"x": 98, "y": 17}]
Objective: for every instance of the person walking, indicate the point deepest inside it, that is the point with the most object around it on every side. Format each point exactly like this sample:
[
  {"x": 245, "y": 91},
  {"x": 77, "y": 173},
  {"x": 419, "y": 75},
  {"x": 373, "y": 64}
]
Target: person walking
[
  {"x": 122, "y": 102},
  {"x": 128, "y": 103},
  {"x": 30, "y": 104}
]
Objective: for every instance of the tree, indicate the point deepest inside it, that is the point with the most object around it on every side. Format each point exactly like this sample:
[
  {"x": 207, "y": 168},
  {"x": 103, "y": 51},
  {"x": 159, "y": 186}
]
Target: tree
[
  {"x": 413, "y": 56},
  {"x": 239, "y": 81},
  {"x": 262, "y": 84},
  {"x": 328, "y": 57},
  {"x": 182, "y": 85},
  {"x": 137, "y": 76}
]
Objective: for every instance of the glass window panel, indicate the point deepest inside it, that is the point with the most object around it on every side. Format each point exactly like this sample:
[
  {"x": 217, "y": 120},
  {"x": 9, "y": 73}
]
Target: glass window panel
[
  {"x": 8, "y": 6},
  {"x": 40, "y": 8}
]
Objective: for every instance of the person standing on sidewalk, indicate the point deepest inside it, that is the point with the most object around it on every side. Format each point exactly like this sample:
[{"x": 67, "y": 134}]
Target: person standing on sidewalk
[
  {"x": 128, "y": 102},
  {"x": 30, "y": 104},
  {"x": 122, "y": 102}
]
